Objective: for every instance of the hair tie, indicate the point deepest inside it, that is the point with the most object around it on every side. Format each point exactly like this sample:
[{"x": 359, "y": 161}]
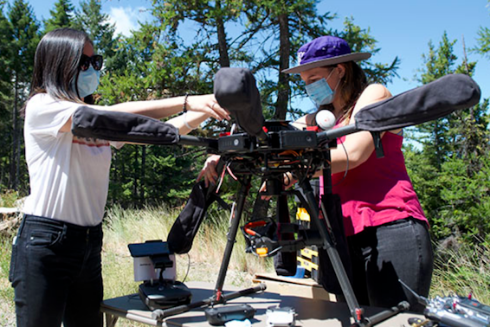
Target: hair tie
[{"x": 186, "y": 123}]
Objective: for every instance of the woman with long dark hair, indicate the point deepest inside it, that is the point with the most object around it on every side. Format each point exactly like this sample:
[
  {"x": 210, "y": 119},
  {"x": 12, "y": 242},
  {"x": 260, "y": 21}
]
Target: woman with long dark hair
[{"x": 56, "y": 256}]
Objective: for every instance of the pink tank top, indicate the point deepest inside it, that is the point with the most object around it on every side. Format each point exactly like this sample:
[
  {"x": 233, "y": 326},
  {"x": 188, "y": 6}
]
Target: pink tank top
[{"x": 378, "y": 191}]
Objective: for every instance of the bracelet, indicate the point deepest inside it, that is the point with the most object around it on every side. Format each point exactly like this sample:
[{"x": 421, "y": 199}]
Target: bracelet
[
  {"x": 184, "y": 109},
  {"x": 186, "y": 123}
]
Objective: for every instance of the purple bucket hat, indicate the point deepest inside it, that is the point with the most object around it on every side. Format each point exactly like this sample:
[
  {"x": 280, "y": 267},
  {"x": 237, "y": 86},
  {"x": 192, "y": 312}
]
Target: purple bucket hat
[{"x": 325, "y": 51}]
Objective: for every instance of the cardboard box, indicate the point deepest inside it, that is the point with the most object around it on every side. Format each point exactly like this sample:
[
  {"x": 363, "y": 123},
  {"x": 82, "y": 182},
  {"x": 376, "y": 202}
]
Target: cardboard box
[{"x": 301, "y": 287}]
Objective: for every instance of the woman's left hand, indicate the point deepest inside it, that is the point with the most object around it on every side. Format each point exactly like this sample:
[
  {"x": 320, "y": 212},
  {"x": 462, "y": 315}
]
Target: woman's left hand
[
  {"x": 208, "y": 172},
  {"x": 207, "y": 104}
]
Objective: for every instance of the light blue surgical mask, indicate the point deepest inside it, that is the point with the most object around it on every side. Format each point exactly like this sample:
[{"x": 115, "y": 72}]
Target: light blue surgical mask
[
  {"x": 320, "y": 92},
  {"x": 88, "y": 81}
]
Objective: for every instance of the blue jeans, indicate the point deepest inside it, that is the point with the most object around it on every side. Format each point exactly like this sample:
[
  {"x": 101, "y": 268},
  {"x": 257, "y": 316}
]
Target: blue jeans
[
  {"x": 56, "y": 273},
  {"x": 382, "y": 255}
]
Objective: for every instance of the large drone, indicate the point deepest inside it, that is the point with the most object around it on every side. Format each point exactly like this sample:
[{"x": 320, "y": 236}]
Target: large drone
[{"x": 269, "y": 149}]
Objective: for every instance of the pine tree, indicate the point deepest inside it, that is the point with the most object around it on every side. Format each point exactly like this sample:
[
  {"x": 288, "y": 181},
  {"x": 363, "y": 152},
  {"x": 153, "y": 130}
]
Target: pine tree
[
  {"x": 144, "y": 69},
  {"x": 6, "y": 56},
  {"x": 209, "y": 17},
  {"x": 97, "y": 25},
  {"x": 450, "y": 171},
  {"x": 360, "y": 40},
  {"x": 288, "y": 22},
  {"x": 25, "y": 37},
  {"x": 438, "y": 63},
  {"x": 6, "y": 97},
  {"x": 61, "y": 16},
  {"x": 483, "y": 46}
]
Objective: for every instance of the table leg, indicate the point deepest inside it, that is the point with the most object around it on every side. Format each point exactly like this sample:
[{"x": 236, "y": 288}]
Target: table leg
[{"x": 110, "y": 320}]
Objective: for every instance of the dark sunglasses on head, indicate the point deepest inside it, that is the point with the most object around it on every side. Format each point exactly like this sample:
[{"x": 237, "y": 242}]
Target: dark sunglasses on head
[{"x": 95, "y": 60}]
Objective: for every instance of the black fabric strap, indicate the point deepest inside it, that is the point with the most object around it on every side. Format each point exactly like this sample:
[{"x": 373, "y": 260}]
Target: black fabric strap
[
  {"x": 120, "y": 126},
  {"x": 221, "y": 202}
]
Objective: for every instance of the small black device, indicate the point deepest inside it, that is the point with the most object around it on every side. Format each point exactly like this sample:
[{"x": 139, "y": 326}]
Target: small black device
[
  {"x": 161, "y": 293},
  {"x": 218, "y": 316}
]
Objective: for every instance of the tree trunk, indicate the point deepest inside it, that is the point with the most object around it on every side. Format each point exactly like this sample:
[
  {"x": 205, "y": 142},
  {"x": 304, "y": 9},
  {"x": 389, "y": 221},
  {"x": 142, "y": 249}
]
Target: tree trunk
[
  {"x": 438, "y": 146},
  {"x": 283, "y": 88},
  {"x": 143, "y": 172},
  {"x": 18, "y": 176},
  {"x": 135, "y": 173},
  {"x": 13, "y": 162},
  {"x": 224, "y": 59}
]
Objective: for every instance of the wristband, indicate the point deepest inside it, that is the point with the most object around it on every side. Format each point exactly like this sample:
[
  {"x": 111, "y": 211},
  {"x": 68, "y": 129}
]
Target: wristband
[{"x": 186, "y": 123}]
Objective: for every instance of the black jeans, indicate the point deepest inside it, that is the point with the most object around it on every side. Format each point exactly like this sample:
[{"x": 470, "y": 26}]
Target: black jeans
[
  {"x": 56, "y": 273},
  {"x": 382, "y": 255}
]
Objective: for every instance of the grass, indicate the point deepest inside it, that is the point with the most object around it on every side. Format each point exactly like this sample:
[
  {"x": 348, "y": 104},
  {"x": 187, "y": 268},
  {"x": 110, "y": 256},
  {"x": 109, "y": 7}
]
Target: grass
[
  {"x": 463, "y": 269},
  {"x": 458, "y": 269},
  {"x": 8, "y": 199},
  {"x": 122, "y": 227},
  {"x": 135, "y": 226},
  {"x": 7, "y": 316}
]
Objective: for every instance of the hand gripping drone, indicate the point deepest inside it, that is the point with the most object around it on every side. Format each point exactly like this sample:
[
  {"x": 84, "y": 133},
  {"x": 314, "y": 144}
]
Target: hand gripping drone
[{"x": 267, "y": 150}]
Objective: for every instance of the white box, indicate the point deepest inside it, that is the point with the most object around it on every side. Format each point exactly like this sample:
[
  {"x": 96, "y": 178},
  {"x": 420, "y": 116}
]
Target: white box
[{"x": 144, "y": 269}]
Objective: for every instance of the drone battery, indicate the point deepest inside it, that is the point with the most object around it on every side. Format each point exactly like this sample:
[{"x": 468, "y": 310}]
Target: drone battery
[
  {"x": 218, "y": 316},
  {"x": 297, "y": 139},
  {"x": 164, "y": 295}
]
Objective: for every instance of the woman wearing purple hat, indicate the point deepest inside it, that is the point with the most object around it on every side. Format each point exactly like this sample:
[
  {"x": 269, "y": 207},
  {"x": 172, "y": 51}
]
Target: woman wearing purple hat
[{"x": 386, "y": 229}]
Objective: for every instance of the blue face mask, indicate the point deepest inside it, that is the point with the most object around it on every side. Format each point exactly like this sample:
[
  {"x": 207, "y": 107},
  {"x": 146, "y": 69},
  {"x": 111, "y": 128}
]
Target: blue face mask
[
  {"x": 88, "y": 81},
  {"x": 320, "y": 92}
]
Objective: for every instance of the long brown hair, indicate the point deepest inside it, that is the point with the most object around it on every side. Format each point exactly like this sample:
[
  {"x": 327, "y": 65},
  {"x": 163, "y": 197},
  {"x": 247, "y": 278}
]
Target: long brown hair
[
  {"x": 56, "y": 64},
  {"x": 352, "y": 85}
]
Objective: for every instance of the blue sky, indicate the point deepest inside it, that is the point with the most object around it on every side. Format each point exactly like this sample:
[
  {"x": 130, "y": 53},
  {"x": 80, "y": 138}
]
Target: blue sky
[{"x": 402, "y": 28}]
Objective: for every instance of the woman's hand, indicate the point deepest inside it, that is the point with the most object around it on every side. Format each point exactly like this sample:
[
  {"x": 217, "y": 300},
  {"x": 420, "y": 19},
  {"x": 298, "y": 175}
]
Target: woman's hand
[
  {"x": 206, "y": 104},
  {"x": 209, "y": 171}
]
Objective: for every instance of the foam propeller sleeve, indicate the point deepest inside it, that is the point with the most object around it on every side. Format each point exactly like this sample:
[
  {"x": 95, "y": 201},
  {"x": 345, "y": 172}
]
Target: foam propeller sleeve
[{"x": 429, "y": 102}]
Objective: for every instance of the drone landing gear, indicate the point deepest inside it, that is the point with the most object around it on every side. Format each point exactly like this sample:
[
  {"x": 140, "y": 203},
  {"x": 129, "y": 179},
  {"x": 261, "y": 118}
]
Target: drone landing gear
[
  {"x": 219, "y": 297},
  {"x": 325, "y": 239}
]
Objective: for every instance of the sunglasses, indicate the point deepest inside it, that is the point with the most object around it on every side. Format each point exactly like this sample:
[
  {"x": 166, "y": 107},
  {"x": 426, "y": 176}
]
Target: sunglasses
[{"x": 95, "y": 60}]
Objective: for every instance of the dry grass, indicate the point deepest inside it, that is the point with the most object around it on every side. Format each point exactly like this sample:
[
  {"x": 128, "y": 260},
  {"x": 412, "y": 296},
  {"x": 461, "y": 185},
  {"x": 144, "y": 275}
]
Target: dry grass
[
  {"x": 201, "y": 264},
  {"x": 463, "y": 269},
  {"x": 459, "y": 269},
  {"x": 7, "y": 315},
  {"x": 134, "y": 226}
]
